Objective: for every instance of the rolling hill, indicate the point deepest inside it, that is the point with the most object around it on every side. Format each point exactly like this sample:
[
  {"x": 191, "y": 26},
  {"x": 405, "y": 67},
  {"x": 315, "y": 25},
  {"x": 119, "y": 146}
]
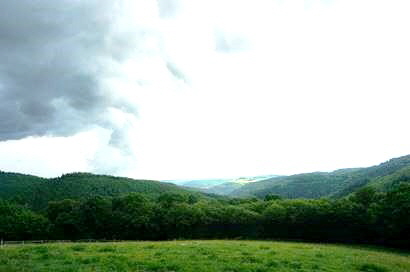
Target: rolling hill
[
  {"x": 338, "y": 183},
  {"x": 36, "y": 192}
]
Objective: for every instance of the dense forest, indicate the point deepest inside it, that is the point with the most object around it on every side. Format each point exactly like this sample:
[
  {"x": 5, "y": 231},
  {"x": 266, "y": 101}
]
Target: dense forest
[{"x": 374, "y": 209}]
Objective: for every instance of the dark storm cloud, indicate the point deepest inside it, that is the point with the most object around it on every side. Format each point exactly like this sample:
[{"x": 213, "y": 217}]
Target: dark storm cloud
[{"x": 52, "y": 57}]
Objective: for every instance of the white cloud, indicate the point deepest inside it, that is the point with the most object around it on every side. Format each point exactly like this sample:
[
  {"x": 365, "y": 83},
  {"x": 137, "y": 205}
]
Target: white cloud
[{"x": 52, "y": 156}]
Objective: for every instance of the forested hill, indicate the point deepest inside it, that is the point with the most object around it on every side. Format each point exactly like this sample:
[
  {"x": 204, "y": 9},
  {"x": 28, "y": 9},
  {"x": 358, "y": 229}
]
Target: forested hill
[
  {"x": 36, "y": 192},
  {"x": 339, "y": 183}
]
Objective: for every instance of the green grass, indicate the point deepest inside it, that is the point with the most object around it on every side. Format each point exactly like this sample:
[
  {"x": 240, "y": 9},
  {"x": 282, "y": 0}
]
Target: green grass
[{"x": 198, "y": 256}]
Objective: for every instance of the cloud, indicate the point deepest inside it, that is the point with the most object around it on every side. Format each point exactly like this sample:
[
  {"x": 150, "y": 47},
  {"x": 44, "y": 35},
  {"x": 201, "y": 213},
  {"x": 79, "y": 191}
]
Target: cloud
[
  {"x": 230, "y": 42},
  {"x": 52, "y": 156},
  {"x": 175, "y": 71},
  {"x": 53, "y": 57},
  {"x": 168, "y": 8},
  {"x": 63, "y": 68}
]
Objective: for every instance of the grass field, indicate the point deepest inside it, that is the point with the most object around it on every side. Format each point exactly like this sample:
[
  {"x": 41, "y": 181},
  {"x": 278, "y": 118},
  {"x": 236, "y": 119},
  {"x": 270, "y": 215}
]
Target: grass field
[{"x": 198, "y": 256}]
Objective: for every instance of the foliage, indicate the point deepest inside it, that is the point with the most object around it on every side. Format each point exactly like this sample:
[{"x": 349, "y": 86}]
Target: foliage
[{"x": 19, "y": 223}]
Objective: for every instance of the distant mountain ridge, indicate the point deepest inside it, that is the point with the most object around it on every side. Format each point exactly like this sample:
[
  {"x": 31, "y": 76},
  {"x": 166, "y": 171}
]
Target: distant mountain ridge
[
  {"x": 198, "y": 183},
  {"x": 338, "y": 183},
  {"x": 219, "y": 186}
]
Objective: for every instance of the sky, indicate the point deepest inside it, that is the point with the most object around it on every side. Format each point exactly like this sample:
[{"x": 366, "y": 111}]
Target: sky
[{"x": 186, "y": 89}]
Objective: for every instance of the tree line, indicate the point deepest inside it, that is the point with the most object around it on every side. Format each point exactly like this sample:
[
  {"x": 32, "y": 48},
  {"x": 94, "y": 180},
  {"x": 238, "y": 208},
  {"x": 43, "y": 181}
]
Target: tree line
[{"x": 366, "y": 216}]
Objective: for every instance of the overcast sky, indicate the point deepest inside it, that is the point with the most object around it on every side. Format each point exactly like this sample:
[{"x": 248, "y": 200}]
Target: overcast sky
[{"x": 181, "y": 89}]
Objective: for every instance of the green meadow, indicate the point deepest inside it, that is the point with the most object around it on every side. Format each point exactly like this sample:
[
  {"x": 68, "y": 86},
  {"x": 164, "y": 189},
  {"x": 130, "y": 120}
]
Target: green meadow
[{"x": 198, "y": 256}]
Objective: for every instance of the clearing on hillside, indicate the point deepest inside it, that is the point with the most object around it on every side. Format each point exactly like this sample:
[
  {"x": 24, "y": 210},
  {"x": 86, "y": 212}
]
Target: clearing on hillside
[{"x": 198, "y": 256}]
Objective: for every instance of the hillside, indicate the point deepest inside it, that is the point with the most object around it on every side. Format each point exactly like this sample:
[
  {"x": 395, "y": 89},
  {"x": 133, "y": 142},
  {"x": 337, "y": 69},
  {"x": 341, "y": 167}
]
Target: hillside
[
  {"x": 37, "y": 192},
  {"x": 338, "y": 183},
  {"x": 386, "y": 183}
]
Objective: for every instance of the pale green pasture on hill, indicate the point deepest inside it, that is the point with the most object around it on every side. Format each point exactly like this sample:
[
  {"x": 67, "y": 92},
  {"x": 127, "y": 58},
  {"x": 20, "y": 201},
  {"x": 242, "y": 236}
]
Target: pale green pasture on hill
[{"x": 198, "y": 256}]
